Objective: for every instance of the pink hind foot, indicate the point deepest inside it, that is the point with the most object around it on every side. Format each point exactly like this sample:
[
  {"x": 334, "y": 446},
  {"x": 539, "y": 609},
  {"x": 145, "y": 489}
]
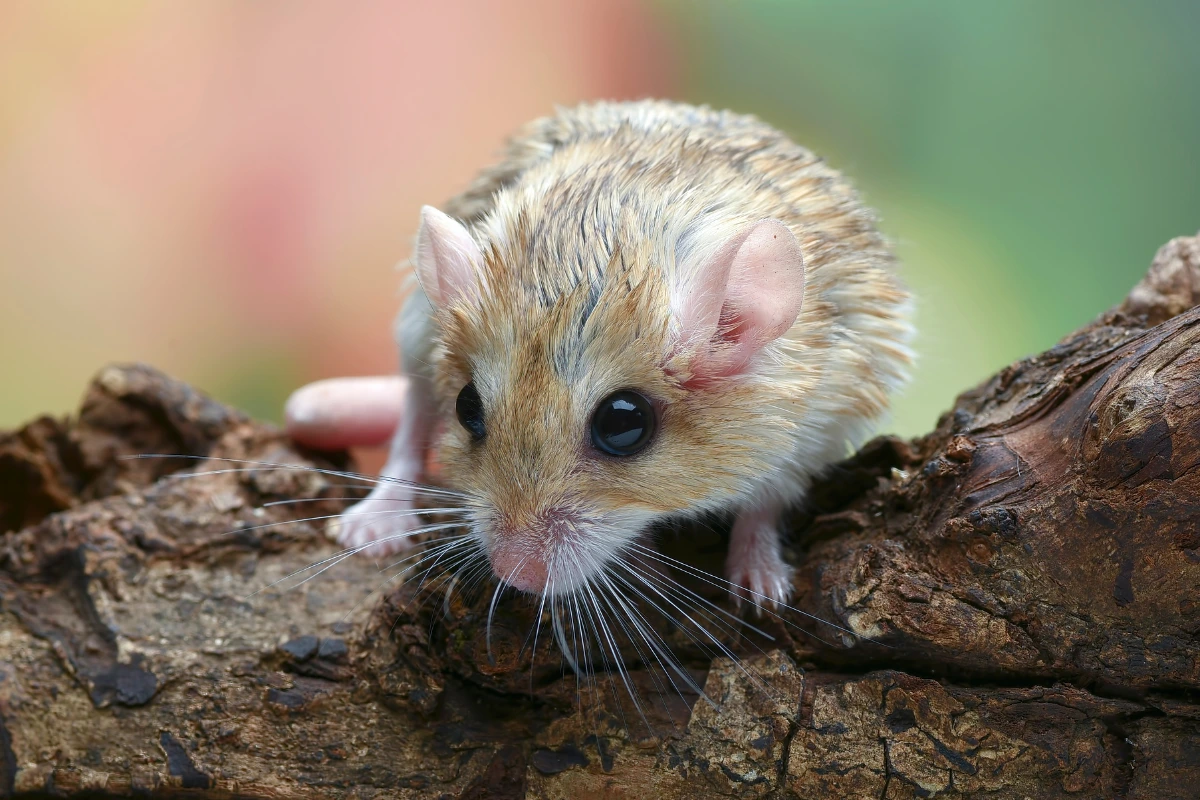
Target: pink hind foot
[{"x": 755, "y": 562}]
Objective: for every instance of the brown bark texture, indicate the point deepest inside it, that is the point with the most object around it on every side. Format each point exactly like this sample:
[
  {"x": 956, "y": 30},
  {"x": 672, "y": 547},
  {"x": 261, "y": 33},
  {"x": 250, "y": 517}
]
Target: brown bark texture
[{"x": 1008, "y": 607}]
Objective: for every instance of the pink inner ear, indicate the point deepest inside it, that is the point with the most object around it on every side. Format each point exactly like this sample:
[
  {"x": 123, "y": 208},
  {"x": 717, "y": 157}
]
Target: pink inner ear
[
  {"x": 746, "y": 296},
  {"x": 446, "y": 258}
]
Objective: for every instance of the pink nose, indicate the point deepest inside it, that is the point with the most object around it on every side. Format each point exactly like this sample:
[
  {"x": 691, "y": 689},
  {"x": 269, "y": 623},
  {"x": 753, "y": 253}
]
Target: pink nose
[{"x": 519, "y": 568}]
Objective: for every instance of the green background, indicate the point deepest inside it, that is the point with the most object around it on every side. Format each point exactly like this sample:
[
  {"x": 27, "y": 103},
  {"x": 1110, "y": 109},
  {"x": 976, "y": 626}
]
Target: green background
[{"x": 1028, "y": 157}]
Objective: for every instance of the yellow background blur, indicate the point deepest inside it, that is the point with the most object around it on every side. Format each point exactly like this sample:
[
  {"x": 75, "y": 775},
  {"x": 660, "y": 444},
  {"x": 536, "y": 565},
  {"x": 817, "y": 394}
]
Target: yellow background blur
[{"x": 222, "y": 189}]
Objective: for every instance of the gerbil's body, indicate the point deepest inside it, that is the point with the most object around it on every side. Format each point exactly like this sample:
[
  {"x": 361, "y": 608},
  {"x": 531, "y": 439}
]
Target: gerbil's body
[{"x": 695, "y": 258}]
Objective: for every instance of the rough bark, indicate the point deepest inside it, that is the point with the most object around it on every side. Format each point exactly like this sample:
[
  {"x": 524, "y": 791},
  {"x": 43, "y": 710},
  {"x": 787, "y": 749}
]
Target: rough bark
[{"x": 1025, "y": 578}]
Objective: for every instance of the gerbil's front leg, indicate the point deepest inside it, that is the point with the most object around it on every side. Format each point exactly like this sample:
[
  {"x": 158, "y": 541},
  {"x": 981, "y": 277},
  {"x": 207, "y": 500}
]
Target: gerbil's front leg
[
  {"x": 387, "y": 518},
  {"x": 755, "y": 560}
]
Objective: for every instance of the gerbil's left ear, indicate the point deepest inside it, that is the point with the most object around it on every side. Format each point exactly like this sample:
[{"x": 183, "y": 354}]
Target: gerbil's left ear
[
  {"x": 745, "y": 296},
  {"x": 446, "y": 258}
]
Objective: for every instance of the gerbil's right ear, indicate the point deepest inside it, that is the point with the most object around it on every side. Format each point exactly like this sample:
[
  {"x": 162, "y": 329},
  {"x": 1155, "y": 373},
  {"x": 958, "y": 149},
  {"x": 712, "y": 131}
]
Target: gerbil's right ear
[
  {"x": 447, "y": 259},
  {"x": 745, "y": 295}
]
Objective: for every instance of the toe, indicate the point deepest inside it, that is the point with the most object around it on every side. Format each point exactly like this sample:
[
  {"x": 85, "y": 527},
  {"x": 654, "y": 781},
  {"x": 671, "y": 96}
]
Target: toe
[{"x": 763, "y": 587}]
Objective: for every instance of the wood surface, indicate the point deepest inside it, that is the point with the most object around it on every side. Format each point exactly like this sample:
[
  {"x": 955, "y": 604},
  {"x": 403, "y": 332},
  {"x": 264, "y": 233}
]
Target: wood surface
[{"x": 1009, "y": 606}]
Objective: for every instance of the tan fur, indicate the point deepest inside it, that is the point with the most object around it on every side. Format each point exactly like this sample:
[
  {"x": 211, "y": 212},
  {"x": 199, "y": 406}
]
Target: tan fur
[{"x": 589, "y": 227}]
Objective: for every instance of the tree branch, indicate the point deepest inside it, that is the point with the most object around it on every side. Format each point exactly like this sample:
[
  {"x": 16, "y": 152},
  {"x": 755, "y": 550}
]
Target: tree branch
[{"x": 1025, "y": 576}]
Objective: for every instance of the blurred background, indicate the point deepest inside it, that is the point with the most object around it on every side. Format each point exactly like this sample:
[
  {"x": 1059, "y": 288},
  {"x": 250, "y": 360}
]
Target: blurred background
[{"x": 223, "y": 189}]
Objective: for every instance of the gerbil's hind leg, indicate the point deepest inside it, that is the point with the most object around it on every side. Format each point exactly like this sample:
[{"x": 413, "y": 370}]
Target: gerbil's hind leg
[
  {"x": 387, "y": 517},
  {"x": 755, "y": 560}
]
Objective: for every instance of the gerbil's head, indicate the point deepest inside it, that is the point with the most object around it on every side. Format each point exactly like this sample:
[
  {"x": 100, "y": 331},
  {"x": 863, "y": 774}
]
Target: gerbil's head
[{"x": 591, "y": 388}]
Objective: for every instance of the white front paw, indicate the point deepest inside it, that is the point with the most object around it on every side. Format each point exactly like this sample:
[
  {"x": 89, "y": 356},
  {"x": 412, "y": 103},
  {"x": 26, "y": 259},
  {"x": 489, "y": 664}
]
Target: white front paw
[{"x": 380, "y": 526}]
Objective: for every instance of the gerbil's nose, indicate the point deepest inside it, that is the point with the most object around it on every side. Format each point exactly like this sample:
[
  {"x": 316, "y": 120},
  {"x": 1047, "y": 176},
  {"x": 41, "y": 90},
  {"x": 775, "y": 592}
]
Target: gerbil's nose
[{"x": 519, "y": 568}]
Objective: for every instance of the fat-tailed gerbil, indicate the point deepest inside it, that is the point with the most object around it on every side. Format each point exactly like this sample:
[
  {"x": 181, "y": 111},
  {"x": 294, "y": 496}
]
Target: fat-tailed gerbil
[{"x": 646, "y": 310}]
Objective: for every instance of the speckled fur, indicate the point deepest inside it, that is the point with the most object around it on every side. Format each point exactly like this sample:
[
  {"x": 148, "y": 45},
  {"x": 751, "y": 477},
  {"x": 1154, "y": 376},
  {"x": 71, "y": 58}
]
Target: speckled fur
[{"x": 590, "y": 228}]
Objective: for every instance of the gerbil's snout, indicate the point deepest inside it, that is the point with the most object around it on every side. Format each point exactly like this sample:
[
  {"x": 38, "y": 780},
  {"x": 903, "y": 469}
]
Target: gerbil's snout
[
  {"x": 546, "y": 551},
  {"x": 523, "y": 570}
]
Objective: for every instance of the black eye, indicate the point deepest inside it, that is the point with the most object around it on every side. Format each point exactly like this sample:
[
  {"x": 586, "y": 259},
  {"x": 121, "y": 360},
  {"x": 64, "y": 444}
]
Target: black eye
[
  {"x": 469, "y": 408},
  {"x": 623, "y": 423}
]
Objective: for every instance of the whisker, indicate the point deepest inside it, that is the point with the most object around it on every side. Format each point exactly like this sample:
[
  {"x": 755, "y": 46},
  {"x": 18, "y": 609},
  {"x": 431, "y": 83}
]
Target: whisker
[
  {"x": 387, "y": 511},
  {"x": 537, "y": 629},
  {"x": 426, "y": 556},
  {"x": 421, "y": 554},
  {"x": 444, "y": 577},
  {"x": 480, "y": 573},
  {"x": 298, "y": 500},
  {"x": 255, "y": 465},
  {"x": 415, "y": 490},
  {"x": 592, "y": 631},
  {"x": 560, "y": 636},
  {"x": 616, "y": 654},
  {"x": 584, "y": 638},
  {"x": 723, "y": 649},
  {"x": 441, "y": 551},
  {"x": 492, "y": 608},
  {"x": 436, "y": 543},
  {"x": 337, "y": 558},
  {"x": 659, "y": 648},
  {"x": 582, "y": 641},
  {"x": 660, "y": 591},
  {"x": 685, "y": 592},
  {"x": 469, "y": 576},
  {"x": 713, "y": 580},
  {"x": 604, "y": 583}
]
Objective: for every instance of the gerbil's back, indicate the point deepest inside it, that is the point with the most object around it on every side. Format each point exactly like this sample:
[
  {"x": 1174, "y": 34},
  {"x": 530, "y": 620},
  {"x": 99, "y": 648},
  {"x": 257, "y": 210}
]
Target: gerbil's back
[{"x": 674, "y": 146}]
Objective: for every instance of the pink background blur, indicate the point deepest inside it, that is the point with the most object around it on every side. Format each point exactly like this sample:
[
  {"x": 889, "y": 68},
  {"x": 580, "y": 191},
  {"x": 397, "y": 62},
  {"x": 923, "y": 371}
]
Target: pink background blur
[{"x": 223, "y": 189}]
